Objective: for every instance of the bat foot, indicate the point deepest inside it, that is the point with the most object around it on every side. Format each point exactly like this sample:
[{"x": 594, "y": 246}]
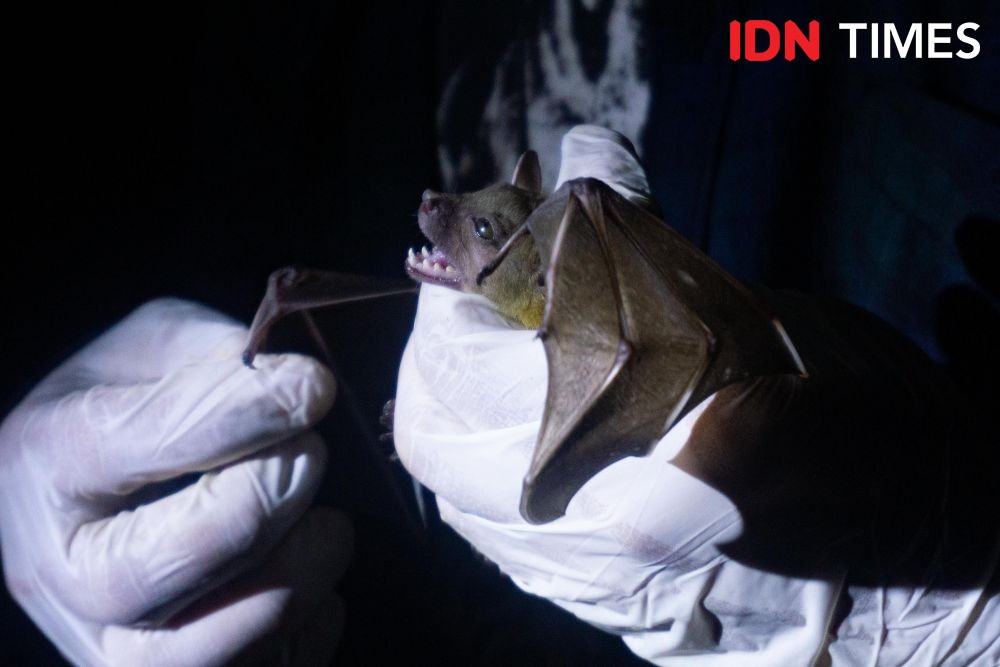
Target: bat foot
[
  {"x": 248, "y": 357},
  {"x": 388, "y": 412}
]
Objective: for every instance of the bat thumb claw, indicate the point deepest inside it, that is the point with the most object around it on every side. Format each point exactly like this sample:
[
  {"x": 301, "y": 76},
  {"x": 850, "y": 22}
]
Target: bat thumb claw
[{"x": 248, "y": 357}]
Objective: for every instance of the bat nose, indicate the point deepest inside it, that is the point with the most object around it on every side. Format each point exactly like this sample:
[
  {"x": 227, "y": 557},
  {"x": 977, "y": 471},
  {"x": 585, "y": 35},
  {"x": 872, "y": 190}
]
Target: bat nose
[{"x": 429, "y": 201}]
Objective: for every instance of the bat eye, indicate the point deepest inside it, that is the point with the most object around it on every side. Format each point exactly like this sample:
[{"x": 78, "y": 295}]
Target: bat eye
[{"x": 483, "y": 228}]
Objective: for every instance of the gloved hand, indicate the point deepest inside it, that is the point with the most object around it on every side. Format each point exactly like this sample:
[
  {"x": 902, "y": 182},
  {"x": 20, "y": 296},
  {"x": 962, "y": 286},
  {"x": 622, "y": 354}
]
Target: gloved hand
[
  {"x": 644, "y": 549},
  {"x": 119, "y": 568},
  {"x": 636, "y": 552}
]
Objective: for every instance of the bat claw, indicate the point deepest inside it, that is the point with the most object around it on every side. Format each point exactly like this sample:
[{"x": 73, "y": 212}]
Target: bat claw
[
  {"x": 388, "y": 412},
  {"x": 248, "y": 357}
]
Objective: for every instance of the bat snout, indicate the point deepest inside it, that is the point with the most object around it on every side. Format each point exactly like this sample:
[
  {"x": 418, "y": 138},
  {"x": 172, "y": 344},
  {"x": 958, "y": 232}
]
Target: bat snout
[
  {"x": 433, "y": 214},
  {"x": 430, "y": 224},
  {"x": 430, "y": 201}
]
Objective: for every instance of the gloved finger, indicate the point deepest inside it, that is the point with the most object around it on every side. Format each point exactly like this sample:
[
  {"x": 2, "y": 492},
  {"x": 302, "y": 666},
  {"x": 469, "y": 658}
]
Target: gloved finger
[
  {"x": 470, "y": 360},
  {"x": 243, "y": 620},
  {"x": 119, "y": 569},
  {"x": 114, "y": 439},
  {"x": 154, "y": 339},
  {"x": 597, "y": 152}
]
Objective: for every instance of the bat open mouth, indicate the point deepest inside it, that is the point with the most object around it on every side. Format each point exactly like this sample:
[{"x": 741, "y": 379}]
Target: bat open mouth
[{"x": 432, "y": 266}]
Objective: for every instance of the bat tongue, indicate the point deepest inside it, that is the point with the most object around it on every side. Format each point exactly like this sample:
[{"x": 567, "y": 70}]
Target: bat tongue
[{"x": 438, "y": 257}]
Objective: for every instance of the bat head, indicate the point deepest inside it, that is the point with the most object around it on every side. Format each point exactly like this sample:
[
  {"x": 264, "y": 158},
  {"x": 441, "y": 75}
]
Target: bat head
[{"x": 467, "y": 231}]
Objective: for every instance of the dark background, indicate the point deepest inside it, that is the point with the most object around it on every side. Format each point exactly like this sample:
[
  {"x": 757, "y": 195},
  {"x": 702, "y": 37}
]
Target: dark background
[{"x": 164, "y": 149}]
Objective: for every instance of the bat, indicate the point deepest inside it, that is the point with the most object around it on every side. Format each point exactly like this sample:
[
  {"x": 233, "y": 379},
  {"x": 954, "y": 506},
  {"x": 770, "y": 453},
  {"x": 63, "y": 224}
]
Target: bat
[{"x": 639, "y": 326}]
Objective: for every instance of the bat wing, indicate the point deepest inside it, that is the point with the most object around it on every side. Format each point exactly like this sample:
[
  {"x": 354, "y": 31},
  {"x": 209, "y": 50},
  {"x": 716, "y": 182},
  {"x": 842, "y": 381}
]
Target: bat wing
[
  {"x": 294, "y": 290},
  {"x": 291, "y": 290},
  {"x": 640, "y": 326}
]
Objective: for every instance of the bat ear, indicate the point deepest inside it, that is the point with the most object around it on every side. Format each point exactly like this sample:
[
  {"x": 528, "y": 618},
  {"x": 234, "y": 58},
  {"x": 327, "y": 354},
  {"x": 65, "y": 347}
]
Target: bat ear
[{"x": 528, "y": 173}]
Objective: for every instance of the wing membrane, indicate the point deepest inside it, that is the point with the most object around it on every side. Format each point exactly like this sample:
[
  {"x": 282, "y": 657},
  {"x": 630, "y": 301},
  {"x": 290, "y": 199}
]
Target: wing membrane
[{"x": 640, "y": 326}]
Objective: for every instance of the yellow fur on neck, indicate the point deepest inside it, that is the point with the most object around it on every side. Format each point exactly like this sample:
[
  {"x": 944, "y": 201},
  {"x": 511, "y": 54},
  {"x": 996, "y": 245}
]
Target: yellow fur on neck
[{"x": 529, "y": 313}]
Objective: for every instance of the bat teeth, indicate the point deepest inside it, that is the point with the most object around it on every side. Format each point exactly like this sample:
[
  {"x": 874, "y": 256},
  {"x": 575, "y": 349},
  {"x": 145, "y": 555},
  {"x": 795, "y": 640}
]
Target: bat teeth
[{"x": 419, "y": 259}]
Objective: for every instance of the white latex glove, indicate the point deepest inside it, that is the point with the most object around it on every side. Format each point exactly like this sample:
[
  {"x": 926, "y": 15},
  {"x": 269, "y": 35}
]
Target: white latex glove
[
  {"x": 597, "y": 152},
  {"x": 637, "y": 552},
  {"x": 161, "y": 394}
]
